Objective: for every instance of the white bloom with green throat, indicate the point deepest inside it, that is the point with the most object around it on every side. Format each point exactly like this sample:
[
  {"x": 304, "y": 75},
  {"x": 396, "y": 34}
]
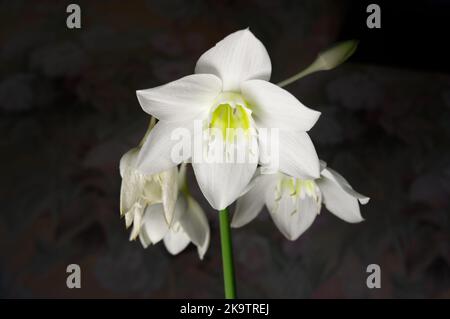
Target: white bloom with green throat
[
  {"x": 138, "y": 191},
  {"x": 229, "y": 91},
  {"x": 158, "y": 211},
  {"x": 239, "y": 119},
  {"x": 294, "y": 203}
]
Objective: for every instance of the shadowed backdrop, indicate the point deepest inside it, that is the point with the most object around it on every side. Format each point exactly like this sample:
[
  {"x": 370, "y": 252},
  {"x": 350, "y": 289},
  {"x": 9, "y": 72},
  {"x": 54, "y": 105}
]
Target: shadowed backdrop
[{"x": 68, "y": 111}]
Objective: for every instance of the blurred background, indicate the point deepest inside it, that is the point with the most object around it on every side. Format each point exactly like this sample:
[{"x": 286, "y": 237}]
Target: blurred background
[{"x": 68, "y": 111}]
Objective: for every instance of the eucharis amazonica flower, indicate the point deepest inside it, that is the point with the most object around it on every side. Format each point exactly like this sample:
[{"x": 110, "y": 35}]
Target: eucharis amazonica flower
[
  {"x": 230, "y": 90},
  {"x": 158, "y": 211},
  {"x": 294, "y": 203},
  {"x": 227, "y": 119}
]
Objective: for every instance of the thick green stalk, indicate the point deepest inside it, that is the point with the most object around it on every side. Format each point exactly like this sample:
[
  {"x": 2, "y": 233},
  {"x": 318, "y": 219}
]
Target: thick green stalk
[{"x": 227, "y": 255}]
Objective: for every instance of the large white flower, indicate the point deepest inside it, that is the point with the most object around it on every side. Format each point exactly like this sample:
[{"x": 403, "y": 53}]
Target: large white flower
[
  {"x": 229, "y": 90},
  {"x": 294, "y": 203},
  {"x": 158, "y": 211}
]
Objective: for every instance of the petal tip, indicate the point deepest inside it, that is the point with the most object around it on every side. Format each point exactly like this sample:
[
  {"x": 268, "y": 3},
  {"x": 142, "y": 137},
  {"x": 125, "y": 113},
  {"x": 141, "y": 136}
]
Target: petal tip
[
  {"x": 354, "y": 219},
  {"x": 315, "y": 117},
  {"x": 235, "y": 224},
  {"x": 364, "y": 200}
]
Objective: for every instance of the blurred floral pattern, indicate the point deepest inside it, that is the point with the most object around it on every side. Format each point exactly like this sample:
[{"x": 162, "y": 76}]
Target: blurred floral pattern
[{"x": 69, "y": 111}]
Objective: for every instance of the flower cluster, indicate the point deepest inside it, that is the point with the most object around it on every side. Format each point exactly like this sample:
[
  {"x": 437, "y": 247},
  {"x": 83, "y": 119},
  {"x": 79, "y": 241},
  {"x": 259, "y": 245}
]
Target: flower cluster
[{"x": 246, "y": 139}]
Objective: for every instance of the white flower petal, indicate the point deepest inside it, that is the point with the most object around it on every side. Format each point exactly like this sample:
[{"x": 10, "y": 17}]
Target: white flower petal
[
  {"x": 137, "y": 221},
  {"x": 154, "y": 223},
  {"x": 143, "y": 238},
  {"x": 134, "y": 217},
  {"x": 273, "y": 106},
  {"x": 129, "y": 216},
  {"x": 176, "y": 240},
  {"x": 164, "y": 141},
  {"x": 346, "y": 186},
  {"x": 222, "y": 183},
  {"x": 296, "y": 156},
  {"x": 181, "y": 100},
  {"x": 169, "y": 190},
  {"x": 238, "y": 57},
  {"x": 128, "y": 161},
  {"x": 132, "y": 184},
  {"x": 250, "y": 204},
  {"x": 223, "y": 180},
  {"x": 127, "y": 196},
  {"x": 196, "y": 226},
  {"x": 339, "y": 197},
  {"x": 292, "y": 216}
]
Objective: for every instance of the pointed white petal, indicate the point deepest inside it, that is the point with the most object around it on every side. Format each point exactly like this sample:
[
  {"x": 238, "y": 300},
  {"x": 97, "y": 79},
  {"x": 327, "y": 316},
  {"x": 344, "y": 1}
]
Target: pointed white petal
[
  {"x": 169, "y": 190},
  {"x": 128, "y": 161},
  {"x": 154, "y": 223},
  {"x": 128, "y": 196},
  {"x": 176, "y": 240},
  {"x": 222, "y": 179},
  {"x": 134, "y": 217},
  {"x": 238, "y": 57},
  {"x": 183, "y": 99},
  {"x": 339, "y": 197},
  {"x": 222, "y": 183},
  {"x": 296, "y": 156},
  {"x": 292, "y": 216},
  {"x": 330, "y": 173},
  {"x": 250, "y": 204},
  {"x": 132, "y": 184},
  {"x": 275, "y": 107},
  {"x": 196, "y": 226},
  {"x": 167, "y": 145},
  {"x": 143, "y": 238},
  {"x": 129, "y": 216},
  {"x": 137, "y": 221}
]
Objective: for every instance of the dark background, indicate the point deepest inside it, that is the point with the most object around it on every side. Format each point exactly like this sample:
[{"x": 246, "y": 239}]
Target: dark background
[{"x": 68, "y": 111}]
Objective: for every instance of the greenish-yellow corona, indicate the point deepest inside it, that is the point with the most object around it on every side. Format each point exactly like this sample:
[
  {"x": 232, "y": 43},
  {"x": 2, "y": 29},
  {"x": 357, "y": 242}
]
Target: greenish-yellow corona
[
  {"x": 231, "y": 116},
  {"x": 297, "y": 187}
]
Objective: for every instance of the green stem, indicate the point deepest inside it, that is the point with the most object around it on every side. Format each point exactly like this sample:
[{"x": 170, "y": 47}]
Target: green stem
[
  {"x": 296, "y": 77},
  {"x": 326, "y": 60},
  {"x": 227, "y": 255}
]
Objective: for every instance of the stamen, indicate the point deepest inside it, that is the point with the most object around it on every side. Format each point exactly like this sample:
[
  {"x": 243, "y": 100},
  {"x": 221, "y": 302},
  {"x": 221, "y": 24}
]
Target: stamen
[{"x": 230, "y": 114}]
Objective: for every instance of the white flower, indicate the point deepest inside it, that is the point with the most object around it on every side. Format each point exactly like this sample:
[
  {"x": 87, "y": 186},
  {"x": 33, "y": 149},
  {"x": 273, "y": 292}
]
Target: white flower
[
  {"x": 229, "y": 90},
  {"x": 189, "y": 225},
  {"x": 139, "y": 191},
  {"x": 294, "y": 203},
  {"x": 158, "y": 211}
]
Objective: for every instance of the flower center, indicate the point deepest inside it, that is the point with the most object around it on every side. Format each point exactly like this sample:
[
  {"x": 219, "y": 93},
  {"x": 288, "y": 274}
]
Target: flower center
[
  {"x": 231, "y": 116},
  {"x": 297, "y": 189},
  {"x": 296, "y": 195}
]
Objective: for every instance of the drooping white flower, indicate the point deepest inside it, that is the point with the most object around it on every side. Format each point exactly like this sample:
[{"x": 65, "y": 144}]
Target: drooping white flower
[
  {"x": 139, "y": 191},
  {"x": 158, "y": 211},
  {"x": 190, "y": 225},
  {"x": 229, "y": 90},
  {"x": 294, "y": 203}
]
